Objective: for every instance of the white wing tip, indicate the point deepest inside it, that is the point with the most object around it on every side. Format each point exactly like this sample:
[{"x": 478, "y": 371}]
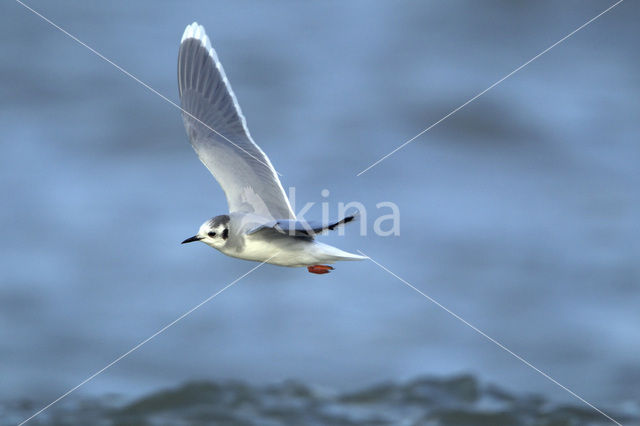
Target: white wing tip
[{"x": 197, "y": 31}]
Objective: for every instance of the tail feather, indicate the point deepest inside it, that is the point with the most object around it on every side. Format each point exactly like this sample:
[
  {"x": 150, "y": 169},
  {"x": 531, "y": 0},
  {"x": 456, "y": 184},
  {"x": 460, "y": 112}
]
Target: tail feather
[{"x": 334, "y": 254}]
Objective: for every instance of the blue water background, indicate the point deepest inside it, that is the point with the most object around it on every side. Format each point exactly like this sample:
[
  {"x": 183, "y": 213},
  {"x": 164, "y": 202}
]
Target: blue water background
[{"x": 519, "y": 213}]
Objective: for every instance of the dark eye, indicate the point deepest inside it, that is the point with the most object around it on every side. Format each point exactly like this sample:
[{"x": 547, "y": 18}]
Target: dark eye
[{"x": 212, "y": 234}]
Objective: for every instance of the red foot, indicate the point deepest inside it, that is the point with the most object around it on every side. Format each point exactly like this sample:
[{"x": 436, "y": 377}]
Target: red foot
[{"x": 319, "y": 269}]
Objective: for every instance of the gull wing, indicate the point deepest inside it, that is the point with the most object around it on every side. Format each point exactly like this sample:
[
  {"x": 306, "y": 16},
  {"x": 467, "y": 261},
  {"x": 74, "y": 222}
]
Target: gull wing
[
  {"x": 299, "y": 228},
  {"x": 218, "y": 132}
]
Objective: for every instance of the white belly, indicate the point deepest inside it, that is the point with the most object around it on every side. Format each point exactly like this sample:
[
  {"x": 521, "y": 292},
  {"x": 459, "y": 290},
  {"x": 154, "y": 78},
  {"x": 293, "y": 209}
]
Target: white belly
[{"x": 294, "y": 253}]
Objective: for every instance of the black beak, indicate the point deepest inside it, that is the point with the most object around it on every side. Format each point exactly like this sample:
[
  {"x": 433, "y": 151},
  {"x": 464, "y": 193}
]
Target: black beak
[{"x": 191, "y": 239}]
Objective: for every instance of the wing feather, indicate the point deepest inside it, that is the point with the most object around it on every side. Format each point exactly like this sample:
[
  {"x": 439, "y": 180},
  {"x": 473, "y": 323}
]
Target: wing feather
[
  {"x": 218, "y": 132},
  {"x": 299, "y": 228}
]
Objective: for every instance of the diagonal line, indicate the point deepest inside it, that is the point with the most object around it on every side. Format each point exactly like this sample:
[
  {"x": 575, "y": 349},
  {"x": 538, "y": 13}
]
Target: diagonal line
[
  {"x": 128, "y": 74},
  {"x": 491, "y": 339},
  {"x": 491, "y": 87},
  {"x": 136, "y": 347}
]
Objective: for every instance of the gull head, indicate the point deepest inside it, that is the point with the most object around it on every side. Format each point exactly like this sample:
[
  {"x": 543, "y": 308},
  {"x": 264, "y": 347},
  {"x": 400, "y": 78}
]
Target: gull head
[{"x": 214, "y": 232}]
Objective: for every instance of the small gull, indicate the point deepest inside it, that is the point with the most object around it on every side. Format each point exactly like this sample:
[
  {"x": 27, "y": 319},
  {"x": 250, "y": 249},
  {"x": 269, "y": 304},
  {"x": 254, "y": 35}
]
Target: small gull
[{"x": 261, "y": 225}]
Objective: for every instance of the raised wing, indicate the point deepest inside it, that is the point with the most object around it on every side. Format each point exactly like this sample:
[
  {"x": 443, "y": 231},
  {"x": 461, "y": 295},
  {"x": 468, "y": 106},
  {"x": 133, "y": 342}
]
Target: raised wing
[{"x": 218, "y": 132}]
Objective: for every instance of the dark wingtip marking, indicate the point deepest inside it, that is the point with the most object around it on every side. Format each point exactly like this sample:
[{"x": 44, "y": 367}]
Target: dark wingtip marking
[{"x": 341, "y": 222}]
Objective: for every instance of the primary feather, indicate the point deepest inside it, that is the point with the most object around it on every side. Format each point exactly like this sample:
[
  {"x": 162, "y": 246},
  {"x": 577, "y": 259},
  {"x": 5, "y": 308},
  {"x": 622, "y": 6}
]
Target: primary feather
[{"x": 218, "y": 132}]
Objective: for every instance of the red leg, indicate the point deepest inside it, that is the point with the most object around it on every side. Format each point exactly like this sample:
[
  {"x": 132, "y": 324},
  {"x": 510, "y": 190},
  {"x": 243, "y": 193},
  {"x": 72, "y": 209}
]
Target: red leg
[{"x": 319, "y": 269}]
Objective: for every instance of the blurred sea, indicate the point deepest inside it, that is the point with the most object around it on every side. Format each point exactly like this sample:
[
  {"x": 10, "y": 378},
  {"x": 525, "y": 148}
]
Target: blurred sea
[
  {"x": 455, "y": 401},
  {"x": 519, "y": 213}
]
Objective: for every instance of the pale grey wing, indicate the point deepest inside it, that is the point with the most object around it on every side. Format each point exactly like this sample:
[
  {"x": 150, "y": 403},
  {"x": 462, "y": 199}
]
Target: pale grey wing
[
  {"x": 300, "y": 228},
  {"x": 218, "y": 132}
]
